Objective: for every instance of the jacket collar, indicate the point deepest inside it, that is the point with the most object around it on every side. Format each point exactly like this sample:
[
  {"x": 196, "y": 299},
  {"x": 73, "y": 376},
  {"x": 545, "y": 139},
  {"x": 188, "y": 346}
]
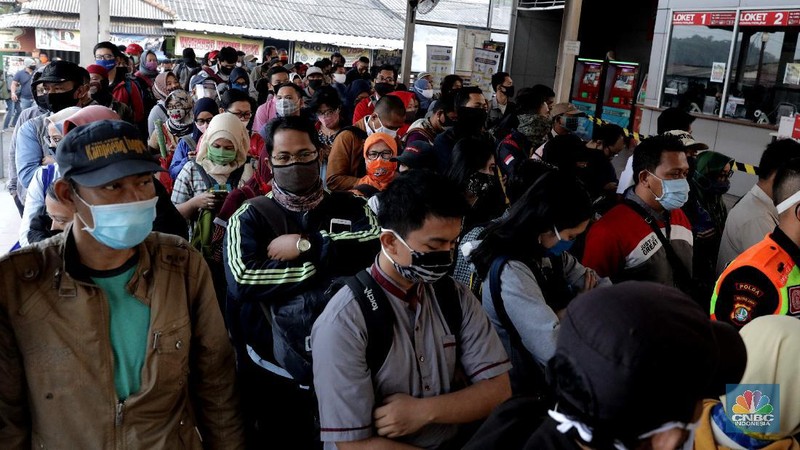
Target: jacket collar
[{"x": 67, "y": 285}]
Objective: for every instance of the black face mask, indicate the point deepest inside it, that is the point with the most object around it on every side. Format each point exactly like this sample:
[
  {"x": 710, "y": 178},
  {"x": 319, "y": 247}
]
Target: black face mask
[
  {"x": 719, "y": 187},
  {"x": 508, "y": 91},
  {"x": 472, "y": 119},
  {"x": 225, "y": 70},
  {"x": 480, "y": 184},
  {"x": 297, "y": 178},
  {"x": 315, "y": 84},
  {"x": 57, "y": 102},
  {"x": 383, "y": 89}
]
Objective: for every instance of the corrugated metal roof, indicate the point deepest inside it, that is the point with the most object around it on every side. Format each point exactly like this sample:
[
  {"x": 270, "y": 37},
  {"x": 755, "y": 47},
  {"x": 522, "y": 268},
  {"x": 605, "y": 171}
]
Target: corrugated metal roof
[
  {"x": 132, "y": 9},
  {"x": 27, "y": 20},
  {"x": 368, "y": 18}
]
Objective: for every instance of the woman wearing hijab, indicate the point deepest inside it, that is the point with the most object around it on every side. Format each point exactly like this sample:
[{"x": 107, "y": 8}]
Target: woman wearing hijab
[
  {"x": 423, "y": 89},
  {"x": 220, "y": 163},
  {"x": 473, "y": 168},
  {"x": 380, "y": 151},
  {"x": 204, "y": 110},
  {"x": 358, "y": 90},
  {"x": 165, "y": 84},
  {"x": 773, "y": 357},
  {"x": 148, "y": 66},
  {"x": 239, "y": 79},
  {"x": 707, "y": 213},
  {"x": 179, "y": 123}
]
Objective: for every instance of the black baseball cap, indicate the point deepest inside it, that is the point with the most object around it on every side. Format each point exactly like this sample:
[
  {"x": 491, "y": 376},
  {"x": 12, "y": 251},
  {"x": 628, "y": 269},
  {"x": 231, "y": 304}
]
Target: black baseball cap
[
  {"x": 417, "y": 155},
  {"x": 636, "y": 355},
  {"x": 100, "y": 152},
  {"x": 60, "y": 71}
]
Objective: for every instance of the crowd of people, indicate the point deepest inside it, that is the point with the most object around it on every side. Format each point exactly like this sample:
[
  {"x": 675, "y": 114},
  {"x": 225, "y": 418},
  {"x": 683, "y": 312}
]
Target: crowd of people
[{"x": 225, "y": 254}]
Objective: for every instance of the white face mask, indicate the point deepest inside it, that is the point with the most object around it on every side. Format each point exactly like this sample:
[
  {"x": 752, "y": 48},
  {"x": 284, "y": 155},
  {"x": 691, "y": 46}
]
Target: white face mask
[
  {"x": 339, "y": 78},
  {"x": 383, "y": 129},
  {"x": 427, "y": 93}
]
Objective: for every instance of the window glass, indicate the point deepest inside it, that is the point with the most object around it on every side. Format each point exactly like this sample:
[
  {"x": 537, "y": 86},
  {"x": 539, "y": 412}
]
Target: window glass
[
  {"x": 697, "y": 60},
  {"x": 765, "y": 75}
]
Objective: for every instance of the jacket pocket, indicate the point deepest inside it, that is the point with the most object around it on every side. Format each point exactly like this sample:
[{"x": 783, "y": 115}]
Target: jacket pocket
[{"x": 171, "y": 353}]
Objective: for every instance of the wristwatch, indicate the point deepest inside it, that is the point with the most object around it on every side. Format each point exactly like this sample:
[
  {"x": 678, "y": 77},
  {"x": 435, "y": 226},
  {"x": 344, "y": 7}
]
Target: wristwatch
[{"x": 303, "y": 244}]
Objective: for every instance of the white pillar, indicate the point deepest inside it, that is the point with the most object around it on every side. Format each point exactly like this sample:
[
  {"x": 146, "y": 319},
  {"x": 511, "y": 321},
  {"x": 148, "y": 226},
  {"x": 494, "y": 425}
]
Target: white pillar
[
  {"x": 408, "y": 43},
  {"x": 90, "y": 30},
  {"x": 566, "y": 63},
  {"x": 104, "y": 20}
]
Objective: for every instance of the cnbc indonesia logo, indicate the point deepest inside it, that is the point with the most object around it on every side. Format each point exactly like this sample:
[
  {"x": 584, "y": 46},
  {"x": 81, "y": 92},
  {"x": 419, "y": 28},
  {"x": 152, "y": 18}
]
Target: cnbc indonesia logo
[{"x": 752, "y": 409}]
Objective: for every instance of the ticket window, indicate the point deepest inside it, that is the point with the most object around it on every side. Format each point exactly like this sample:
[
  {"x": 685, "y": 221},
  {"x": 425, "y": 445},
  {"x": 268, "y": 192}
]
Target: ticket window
[{"x": 764, "y": 80}]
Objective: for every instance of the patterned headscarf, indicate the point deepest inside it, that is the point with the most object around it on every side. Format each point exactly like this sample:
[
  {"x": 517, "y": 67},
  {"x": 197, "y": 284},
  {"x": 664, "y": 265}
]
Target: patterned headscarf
[
  {"x": 160, "y": 85},
  {"x": 180, "y": 119}
]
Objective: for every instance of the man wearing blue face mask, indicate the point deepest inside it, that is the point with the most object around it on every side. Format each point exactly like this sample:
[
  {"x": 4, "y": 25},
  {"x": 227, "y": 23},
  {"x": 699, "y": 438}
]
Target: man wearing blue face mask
[
  {"x": 438, "y": 327},
  {"x": 648, "y": 237},
  {"x": 102, "y": 325}
]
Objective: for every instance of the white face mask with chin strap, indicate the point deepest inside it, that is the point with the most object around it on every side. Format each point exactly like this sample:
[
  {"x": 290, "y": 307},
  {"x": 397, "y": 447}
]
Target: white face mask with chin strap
[{"x": 788, "y": 203}]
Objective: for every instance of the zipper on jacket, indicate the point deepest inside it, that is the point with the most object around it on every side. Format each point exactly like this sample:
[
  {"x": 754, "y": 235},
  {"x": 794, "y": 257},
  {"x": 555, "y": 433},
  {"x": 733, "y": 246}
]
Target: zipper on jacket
[
  {"x": 120, "y": 413},
  {"x": 156, "y": 337}
]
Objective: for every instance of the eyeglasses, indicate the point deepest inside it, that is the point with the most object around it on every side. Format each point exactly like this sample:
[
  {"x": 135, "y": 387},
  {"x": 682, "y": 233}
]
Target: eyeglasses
[
  {"x": 105, "y": 57},
  {"x": 54, "y": 140},
  {"x": 725, "y": 175},
  {"x": 202, "y": 121},
  {"x": 282, "y": 159},
  {"x": 382, "y": 79},
  {"x": 242, "y": 114},
  {"x": 327, "y": 113},
  {"x": 385, "y": 155}
]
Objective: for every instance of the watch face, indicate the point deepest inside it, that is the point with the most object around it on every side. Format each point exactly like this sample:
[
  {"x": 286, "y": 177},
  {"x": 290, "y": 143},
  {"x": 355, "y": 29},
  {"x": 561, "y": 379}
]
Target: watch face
[{"x": 303, "y": 245}]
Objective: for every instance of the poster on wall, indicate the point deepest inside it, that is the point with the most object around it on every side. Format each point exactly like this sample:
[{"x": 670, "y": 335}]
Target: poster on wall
[
  {"x": 153, "y": 43},
  {"x": 468, "y": 40},
  {"x": 439, "y": 63},
  {"x": 203, "y": 43},
  {"x": 8, "y": 39},
  {"x": 792, "y": 74},
  {"x": 13, "y": 64},
  {"x": 310, "y": 52},
  {"x": 485, "y": 64},
  {"x": 62, "y": 40},
  {"x": 718, "y": 72},
  {"x": 70, "y": 41}
]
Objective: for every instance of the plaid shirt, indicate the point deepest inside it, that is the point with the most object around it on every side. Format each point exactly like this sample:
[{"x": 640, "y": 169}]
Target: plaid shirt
[{"x": 190, "y": 182}]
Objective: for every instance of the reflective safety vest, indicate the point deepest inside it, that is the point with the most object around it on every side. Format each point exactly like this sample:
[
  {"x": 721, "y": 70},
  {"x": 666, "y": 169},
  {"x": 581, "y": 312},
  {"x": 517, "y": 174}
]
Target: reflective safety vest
[{"x": 778, "y": 266}]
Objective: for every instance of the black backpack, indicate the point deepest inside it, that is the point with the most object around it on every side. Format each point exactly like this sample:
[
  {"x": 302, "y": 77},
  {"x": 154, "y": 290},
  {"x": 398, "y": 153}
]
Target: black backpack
[{"x": 291, "y": 320}]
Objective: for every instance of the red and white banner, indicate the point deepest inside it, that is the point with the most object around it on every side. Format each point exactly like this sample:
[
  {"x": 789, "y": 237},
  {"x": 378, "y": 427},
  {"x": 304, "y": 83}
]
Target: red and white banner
[
  {"x": 769, "y": 18},
  {"x": 706, "y": 18}
]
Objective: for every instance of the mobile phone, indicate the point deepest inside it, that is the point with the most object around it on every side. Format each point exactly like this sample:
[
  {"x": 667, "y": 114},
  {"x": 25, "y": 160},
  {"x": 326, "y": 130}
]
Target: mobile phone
[{"x": 340, "y": 225}]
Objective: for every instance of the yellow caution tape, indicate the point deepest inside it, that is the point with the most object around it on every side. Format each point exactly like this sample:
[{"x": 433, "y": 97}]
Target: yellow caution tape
[{"x": 738, "y": 166}]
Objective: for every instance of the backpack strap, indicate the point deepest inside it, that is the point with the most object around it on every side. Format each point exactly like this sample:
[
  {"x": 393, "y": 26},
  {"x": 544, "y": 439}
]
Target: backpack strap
[
  {"x": 190, "y": 142},
  {"x": 450, "y": 304},
  {"x": 378, "y": 317},
  {"x": 206, "y": 177},
  {"x": 235, "y": 177},
  {"x": 499, "y": 306}
]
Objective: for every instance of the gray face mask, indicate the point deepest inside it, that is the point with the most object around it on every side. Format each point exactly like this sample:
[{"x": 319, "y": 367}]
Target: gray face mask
[{"x": 285, "y": 107}]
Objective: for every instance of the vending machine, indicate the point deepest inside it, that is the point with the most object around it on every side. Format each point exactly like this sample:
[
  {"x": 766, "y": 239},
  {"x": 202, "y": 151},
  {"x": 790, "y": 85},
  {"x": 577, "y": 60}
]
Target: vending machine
[
  {"x": 619, "y": 95},
  {"x": 586, "y": 91}
]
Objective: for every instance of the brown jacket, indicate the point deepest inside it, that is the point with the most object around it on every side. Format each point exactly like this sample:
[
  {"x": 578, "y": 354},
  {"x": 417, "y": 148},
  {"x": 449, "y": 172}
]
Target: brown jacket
[
  {"x": 346, "y": 161},
  {"x": 56, "y": 363}
]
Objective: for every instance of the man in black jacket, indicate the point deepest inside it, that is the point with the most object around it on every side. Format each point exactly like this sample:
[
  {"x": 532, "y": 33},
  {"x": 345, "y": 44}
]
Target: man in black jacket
[{"x": 290, "y": 255}]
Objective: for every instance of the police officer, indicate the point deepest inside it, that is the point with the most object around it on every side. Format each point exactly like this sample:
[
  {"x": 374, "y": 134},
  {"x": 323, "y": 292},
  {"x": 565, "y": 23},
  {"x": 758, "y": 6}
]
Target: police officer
[{"x": 765, "y": 279}]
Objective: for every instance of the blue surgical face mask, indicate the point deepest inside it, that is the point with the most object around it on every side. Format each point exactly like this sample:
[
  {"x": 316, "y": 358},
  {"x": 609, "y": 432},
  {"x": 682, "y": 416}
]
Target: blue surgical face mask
[
  {"x": 674, "y": 193},
  {"x": 107, "y": 64},
  {"x": 121, "y": 225},
  {"x": 560, "y": 247},
  {"x": 239, "y": 87}
]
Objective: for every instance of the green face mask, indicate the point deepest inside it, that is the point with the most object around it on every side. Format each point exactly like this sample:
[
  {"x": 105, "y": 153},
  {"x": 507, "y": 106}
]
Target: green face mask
[{"x": 220, "y": 156}]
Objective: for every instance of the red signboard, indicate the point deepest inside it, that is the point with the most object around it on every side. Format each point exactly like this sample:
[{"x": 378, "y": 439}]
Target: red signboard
[
  {"x": 769, "y": 18},
  {"x": 796, "y": 128},
  {"x": 706, "y": 18}
]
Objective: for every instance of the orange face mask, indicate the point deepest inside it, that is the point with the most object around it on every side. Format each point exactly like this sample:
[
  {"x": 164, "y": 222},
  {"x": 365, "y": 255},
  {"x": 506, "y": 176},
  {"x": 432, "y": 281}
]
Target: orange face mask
[{"x": 381, "y": 170}]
